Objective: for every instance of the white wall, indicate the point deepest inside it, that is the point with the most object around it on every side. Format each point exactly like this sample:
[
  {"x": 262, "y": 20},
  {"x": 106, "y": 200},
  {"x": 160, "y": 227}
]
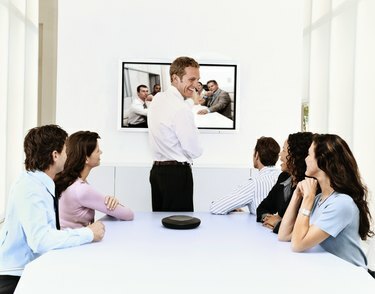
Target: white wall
[{"x": 264, "y": 37}]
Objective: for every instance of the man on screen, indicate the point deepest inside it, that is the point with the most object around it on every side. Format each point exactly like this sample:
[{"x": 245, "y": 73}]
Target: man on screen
[
  {"x": 138, "y": 109},
  {"x": 217, "y": 100}
]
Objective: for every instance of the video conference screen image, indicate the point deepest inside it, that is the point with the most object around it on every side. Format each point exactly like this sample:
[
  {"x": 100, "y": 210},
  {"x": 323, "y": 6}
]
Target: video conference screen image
[{"x": 141, "y": 81}]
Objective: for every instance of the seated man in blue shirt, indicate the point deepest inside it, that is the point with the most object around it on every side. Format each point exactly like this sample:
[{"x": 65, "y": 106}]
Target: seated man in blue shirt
[{"x": 31, "y": 225}]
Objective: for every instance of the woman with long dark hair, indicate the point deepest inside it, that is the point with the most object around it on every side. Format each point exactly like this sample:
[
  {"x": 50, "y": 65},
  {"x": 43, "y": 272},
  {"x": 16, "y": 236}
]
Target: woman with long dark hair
[
  {"x": 338, "y": 217},
  {"x": 271, "y": 210},
  {"x": 78, "y": 200}
]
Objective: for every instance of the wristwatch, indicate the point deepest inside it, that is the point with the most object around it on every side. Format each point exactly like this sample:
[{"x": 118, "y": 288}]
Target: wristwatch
[{"x": 304, "y": 211}]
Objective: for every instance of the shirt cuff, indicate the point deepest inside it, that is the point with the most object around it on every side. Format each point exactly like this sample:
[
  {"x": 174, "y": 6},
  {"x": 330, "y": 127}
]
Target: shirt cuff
[{"x": 86, "y": 234}]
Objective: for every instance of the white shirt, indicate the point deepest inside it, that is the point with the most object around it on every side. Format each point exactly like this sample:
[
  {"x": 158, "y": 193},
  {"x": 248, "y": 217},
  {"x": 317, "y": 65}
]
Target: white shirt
[
  {"x": 173, "y": 134},
  {"x": 250, "y": 193},
  {"x": 137, "y": 112}
]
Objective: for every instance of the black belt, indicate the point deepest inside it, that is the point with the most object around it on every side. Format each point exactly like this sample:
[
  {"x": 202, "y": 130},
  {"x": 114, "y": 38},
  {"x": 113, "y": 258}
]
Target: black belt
[{"x": 171, "y": 162}]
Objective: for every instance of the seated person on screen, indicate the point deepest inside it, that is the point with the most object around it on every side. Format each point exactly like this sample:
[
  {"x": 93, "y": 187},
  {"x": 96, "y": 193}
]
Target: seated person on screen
[
  {"x": 217, "y": 100},
  {"x": 138, "y": 109},
  {"x": 156, "y": 89},
  {"x": 78, "y": 200},
  {"x": 201, "y": 92},
  {"x": 271, "y": 210},
  {"x": 254, "y": 190},
  {"x": 31, "y": 227},
  {"x": 338, "y": 217}
]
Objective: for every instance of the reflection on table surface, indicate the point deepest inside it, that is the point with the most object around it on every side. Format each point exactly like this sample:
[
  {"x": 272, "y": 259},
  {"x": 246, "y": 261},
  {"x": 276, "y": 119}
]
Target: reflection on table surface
[
  {"x": 211, "y": 120},
  {"x": 225, "y": 253}
]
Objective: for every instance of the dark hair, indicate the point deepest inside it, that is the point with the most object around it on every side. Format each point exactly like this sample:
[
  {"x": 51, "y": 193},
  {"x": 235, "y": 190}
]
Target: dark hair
[
  {"x": 141, "y": 86},
  {"x": 39, "y": 144},
  {"x": 268, "y": 150},
  {"x": 335, "y": 158},
  {"x": 298, "y": 149},
  {"x": 79, "y": 146},
  {"x": 179, "y": 64},
  {"x": 212, "y": 81}
]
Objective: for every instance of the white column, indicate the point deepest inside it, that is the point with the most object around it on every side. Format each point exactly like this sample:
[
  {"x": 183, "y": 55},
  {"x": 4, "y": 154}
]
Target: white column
[
  {"x": 341, "y": 80},
  {"x": 319, "y": 79},
  {"x": 4, "y": 36},
  {"x": 364, "y": 106},
  {"x": 18, "y": 85}
]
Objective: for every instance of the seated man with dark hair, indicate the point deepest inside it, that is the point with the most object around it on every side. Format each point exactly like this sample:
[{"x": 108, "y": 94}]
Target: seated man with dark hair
[
  {"x": 254, "y": 190},
  {"x": 217, "y": 100},
  {"x": 31, "y": 226},
  {"x": 138, "y": 110}
]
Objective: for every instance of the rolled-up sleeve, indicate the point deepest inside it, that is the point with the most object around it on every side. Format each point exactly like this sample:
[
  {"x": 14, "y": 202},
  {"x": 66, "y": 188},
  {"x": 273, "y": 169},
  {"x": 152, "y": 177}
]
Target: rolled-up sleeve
[{"x": 187, "y": 133}]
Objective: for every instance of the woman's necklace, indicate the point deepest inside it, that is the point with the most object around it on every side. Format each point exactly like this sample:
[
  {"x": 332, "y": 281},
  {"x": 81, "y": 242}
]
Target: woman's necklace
[{"x": 323, "y": 199}]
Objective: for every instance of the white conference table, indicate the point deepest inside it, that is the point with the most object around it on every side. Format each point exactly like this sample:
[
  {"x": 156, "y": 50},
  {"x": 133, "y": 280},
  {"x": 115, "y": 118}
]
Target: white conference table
[
  {"x": 211, "y": 120},
  {"x": 224, "y": 254}
]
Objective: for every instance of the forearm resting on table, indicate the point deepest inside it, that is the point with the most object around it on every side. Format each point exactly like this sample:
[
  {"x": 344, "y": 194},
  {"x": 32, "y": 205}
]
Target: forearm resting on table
[
  {"x": 304, "y": 235},
  {"x": 288, "y": 221}
]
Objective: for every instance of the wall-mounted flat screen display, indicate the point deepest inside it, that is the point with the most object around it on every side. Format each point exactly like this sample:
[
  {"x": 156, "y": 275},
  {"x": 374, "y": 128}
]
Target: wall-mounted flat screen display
[{"x": 217, "y": 88}]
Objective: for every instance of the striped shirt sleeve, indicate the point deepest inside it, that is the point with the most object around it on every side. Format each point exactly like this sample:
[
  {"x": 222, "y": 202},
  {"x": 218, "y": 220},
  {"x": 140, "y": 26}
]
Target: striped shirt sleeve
[
  {"x": 243, "y": 195},
  {"x": 250, "y": 193}
]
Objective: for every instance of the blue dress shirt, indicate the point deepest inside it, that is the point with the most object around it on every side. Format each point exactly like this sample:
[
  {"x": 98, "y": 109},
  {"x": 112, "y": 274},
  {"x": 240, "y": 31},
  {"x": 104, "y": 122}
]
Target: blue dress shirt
[{"x": 29, "y": 229}]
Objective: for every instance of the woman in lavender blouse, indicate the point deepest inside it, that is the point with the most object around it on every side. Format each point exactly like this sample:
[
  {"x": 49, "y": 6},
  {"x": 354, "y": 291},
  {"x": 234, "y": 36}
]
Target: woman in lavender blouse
[{"x": 78, "y": 199}]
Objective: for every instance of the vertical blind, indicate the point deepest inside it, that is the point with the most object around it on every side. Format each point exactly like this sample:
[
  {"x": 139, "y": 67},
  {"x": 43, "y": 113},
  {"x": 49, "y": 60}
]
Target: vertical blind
[
  {"x": 18, "y": 86},
  {"x": 339, "y": 75}
]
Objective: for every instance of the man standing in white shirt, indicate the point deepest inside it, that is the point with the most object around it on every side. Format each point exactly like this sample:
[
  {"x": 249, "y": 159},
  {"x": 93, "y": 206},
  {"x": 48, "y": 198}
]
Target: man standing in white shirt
[
  {"x": 174, "y": 139},
  {"x": 253, "y": 191},
  {"x": 138, "y": 109}
]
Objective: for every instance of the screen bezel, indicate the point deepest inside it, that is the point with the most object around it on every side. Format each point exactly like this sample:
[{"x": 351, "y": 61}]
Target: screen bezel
[{"x": 230, "y": 65}]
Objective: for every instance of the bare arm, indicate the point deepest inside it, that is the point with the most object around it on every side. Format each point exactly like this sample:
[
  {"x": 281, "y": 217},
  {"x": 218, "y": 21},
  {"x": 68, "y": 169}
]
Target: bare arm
[
  {"x": 287, "y": 223},
  {"x": 303, "y": 235}
]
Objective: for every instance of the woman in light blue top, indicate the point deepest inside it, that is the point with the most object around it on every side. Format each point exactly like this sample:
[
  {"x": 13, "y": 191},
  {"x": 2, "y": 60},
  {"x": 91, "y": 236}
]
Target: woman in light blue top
[{"x": 339, "y": 216}]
